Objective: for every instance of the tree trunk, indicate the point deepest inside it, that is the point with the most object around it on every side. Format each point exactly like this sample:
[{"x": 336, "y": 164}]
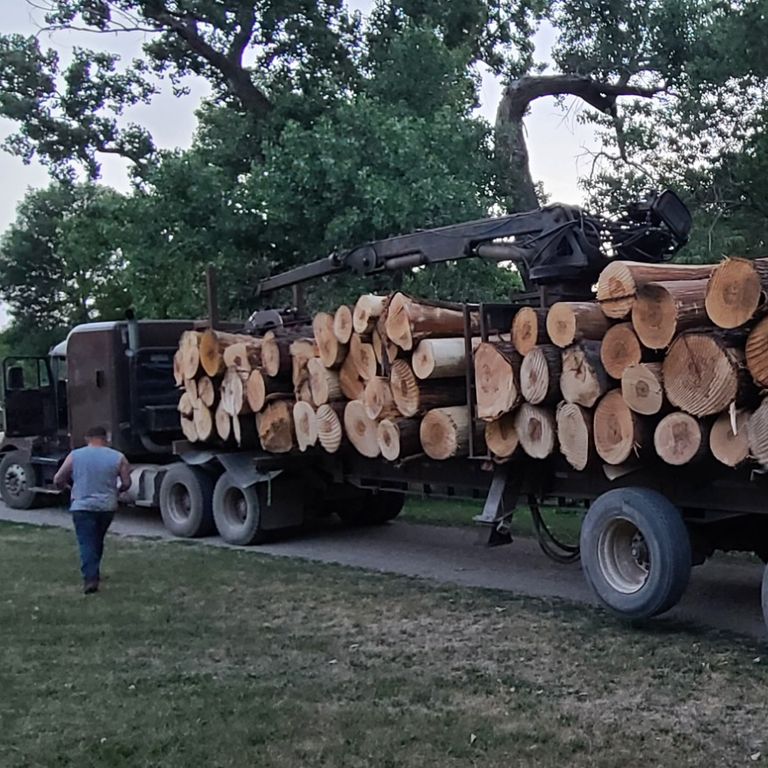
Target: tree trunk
[
  {"x": 186, "y": 404},
  {"x": 213, "y": 344},
  {"x": 360, "y": 430},
  {"x": 736, "y": 290},
  {"x": 441, "y": 358},
  {"x": 409, "y": 321},
  {"x": 203, "y": 422},
  {"x": 329, "y": 349},
  {"x": 189, "y": 345},
  {"x": 444, "y": 432},
  {"x": 378, "y": 400},
  {"x": 243, "y": 355},
  {"x": 363, "y": 358},
  {"x": 414, "y": 398},
  {"x": 621, "y": 348},
  {"x": 619, "y": 433},
  {"x": 730, "y": 447},
  {"x": 323, "y": 383},
  {"x": 529, "y": 329},
  {"x": 342, "y": 324},
  {"x": 497, "y": 379},
  {"x": 536, "y": 430},
  {"x": 305, "y": 425},
  {"x": 501, "y": 437},
  {"x": 574, "y": 433},
  {"x": 642, "y": 388},
  {"x": 540, "y": 375},
  {"x": 583, "y": 379},
  {"x": 681, "y": 439},
  {"x": 756, "y": 350},
  {"x": 330, "y": 433},
  {"x": 366, "y": 312},
  {"x": 398, "y": 438},
  {"x": 662, "y": 310},
  {"x": 275, "y": 427},
  {"x": 620, "y": 281},
  {"x": 571, "y": 321}
]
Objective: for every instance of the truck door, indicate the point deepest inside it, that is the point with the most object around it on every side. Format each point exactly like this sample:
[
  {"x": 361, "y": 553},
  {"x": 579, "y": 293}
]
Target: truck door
[{"x": 30, "y": 397}]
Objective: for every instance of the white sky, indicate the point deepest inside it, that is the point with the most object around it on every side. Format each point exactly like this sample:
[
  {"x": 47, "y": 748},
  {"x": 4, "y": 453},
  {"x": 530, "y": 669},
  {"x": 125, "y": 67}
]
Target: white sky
[{"x": 556, "y": 142}]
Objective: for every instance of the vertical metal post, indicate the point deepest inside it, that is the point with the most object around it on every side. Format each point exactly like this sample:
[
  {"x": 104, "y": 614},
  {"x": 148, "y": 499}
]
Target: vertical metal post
[
  {"x": 468, "y": 376},
  {"x": 213, "y": 298},
  {"x": 299, "y": 299}
]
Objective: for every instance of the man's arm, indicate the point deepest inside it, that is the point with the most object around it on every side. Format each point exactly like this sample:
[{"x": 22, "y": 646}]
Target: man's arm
[
  {"x": 125, "y": 475},
  {"x": 63, "y": 478}
]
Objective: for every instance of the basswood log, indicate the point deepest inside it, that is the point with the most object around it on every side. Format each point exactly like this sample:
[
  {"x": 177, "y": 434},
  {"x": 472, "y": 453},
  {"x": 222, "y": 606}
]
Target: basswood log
[
  {"x": 352, "y": 385},
  {"x": 178, "y": 367},
  {"x": 324, "y": 383},
  {"x": 619, "y": 433},
  {"x": 189, "y": 346},
  {"x": 444, "y": 432},
  {"x": 362, "y": 356},
  {"x": 203, "y": 419},
  {"x": 536, "y": 430},
  {"x": 243, "y": 355},
  {"x": 757, "y": 434},
  {"x": 571, "y": 321},
  {"x": 642, "y": 388},
  {"x": 398, "y": 438},
  {"x": 574, "y": 434},
  {"x": 441, "y": 358},
  {"x": 213, "y": 344},
  {"x": 188, "y": 428},
  {"x": 378, "y": 400},
  {"x": 662, "y": 310},
  {"x": 360, "y": 430},
  {"x": 330, "y": 433},
  {"x": 619, "y": 349},
  {"x": 583, "y": 379},
  {"x": 259, "y": 389},
  {"x": 232, "y": 394},
  {"x": 620, "y": 281},
  {"x": 302, "y": 351},
  {"x": 409, "y": 321},
  {"x": 680, "y": 438},
  {"x": 529, "y": 329},
  {"x": 342, "y": 324},
  {"x": 501, "y": 436},
  {"x": 186, "y": 404},
  {"x": 756, "y": 351},
  {"x": 206, "y": 391},
  {"x": 704, "y": 373},
  {"x": 223, "y": 423},
  {"x": 736, "y": 290},
  {"x": 497, "y": 379},
  {"x": 413, "y": 397},
  {"x": 540, "y": 375},
  {"x": 305, "y": 425},
  {"x": 275, "y": 427},
  {"x": 730, "y": 447},
  {"x": 367, "y": 310},
  {"x": 329, "y": 349}
]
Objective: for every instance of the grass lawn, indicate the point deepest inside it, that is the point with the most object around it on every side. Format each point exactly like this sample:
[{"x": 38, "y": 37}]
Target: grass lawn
[{"x": 194, "y": 656}]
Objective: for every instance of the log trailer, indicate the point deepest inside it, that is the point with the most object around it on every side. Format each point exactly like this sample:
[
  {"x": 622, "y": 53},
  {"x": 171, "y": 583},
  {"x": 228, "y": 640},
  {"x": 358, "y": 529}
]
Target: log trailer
[{"x": 644, "y": 526}]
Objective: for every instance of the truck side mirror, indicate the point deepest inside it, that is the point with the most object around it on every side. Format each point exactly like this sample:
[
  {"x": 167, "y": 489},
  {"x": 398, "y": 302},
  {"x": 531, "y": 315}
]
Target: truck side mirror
[{"x": 15, "y": 377}]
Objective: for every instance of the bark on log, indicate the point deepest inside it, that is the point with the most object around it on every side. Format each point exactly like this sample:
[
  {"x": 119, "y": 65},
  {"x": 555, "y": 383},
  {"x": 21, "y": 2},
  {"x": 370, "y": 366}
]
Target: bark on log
[
  {"x": 583, "y": 379},
  {"x": 330, "y": 433},
  {"x": 497, "y": 379},
  {"x": 367, "y": 310},
  {"x": 571, "y": 321},
  {"x": 259, "y": 389},
  {"x": 243, "y": 355},
  {"x": 729, "y": 447},
  {"x": 203, "y": 419},
  {"x": 409, "y": 321},
  {"x": 378, "y": 400},
  {"x": 501, "y": 437},
  {"x": 352, "y": 386},
  {"x": 444, "y": 432},
  {"x": 363, "y": 358},
  {"x": 383, "y": 348},
  {"x": 206, "y": 391},
  {"x": 275, "y": 427},
  {"x": 536, "y": 430},
  {"x": 189, "y": 346},
  {"x": 186, "y": 404},
  {"x": 441, "y": 358},
  {"x": 619, "y": 433},
  {"x": 302, "y": 351},
  {"x": 642, "y": 388},
  {"x": 620, "y": 281},
  {"x": 680, "y": 439},
  {"x": 342, "y": 324},
  {"x": 756, "y": 350},
  {"x": 662, "y": 310},
  {"x": 360, "y": 430},
  {"x": 529, "y": 329},
  {"x": 329, "y": 349},
  {"x": 736, "y": 290},
  {"x": 398, "y": 438},
  {"x": 232, "y": 394},
  {"x": 305, "y": 425},
  {"x": 413, "y": 397},
  {"x": 620, "y": 348},
  {"x": 323, "y": 383},
  {"x": 540, "y": 375},
  {"x": 574, "y": 434}
]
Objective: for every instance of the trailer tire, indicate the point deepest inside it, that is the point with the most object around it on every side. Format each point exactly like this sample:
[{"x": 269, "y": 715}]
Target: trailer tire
[
  {"x": 372, "y": 509},
  {"x": 636, "y": 552},
  {"x": 237, "y": 512},
  {"x": 186, "y": 502},
  {"x": 17, "y": 475}
]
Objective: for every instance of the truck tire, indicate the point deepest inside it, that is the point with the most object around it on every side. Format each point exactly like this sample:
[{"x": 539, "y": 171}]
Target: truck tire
[
  {"x": 186, "y": 502},
  {"x": 237, "y": 512},
  {"x": 635, "y": 552},
  {"x": 372, "y": 509},
  {"x": 17, "y": 477}
]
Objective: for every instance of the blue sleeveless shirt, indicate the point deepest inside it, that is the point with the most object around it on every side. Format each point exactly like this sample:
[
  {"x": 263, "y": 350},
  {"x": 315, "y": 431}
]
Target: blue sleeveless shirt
[{"x": 95, "y": 474}]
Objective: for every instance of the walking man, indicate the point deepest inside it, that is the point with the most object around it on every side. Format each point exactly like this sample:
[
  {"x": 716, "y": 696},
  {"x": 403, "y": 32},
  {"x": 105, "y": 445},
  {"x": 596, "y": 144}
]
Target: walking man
[{"x": 93, "y": 473}]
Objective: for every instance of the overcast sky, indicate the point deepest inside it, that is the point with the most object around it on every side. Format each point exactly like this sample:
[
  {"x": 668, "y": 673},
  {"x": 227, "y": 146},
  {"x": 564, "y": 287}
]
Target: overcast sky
[{"x": 556, "y": 141}]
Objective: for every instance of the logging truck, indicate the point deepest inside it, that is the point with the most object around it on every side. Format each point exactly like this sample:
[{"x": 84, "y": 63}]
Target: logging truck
[{"x": 616, "y": 382}]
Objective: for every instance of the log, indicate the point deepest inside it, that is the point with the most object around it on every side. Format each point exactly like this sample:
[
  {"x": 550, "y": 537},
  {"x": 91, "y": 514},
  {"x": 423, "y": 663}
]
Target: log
[
  {"x": 703, "y": 374},
  {"x": 363, "y": 358},
  {"x": 190, "y": 387},
  {"x": 444, "y": 432},
  {"x": 583, "y": 379},
  {"x": 352, "y": 386},
  {"x": 529, "y": 329},
  {"x": 186, "y": 404},
  {"x": 571, "y": 321},
  {"x": 377, "y": 399},
  {"x": 324, "y": 383},
  {"x": 642, "y": 388},
  {"x": 330, "y": 433},
  {"x": 497, "y": 379},
  {"x": 662, "y": 310},
  {"x": 619, "y": 349},
  {"x": 441, "y": 358},
  {"x": 304, "y": 393},
  {"x": 680, "y": 439},
  {"x": 736, "y": 290},
  {"x": 206, "y": 391},
  {"x": 203, "y": 419},
  {"x": 501, "y": 436},
  {"x": 367, "y": 310},
  {"x": 212, "y": 347},
  {"x": 275, "y": 427},
  {"x": 342, "y": 324},
  {"x": 730, "y": 447},
  {"x": 244, "y": 431},
  {"x": 302, "y": 351},
  {"x": 188, "y": 428},
  {"x": 398, "y": 438},
  {"x": 232, "y": 394},
  {"x": 243, "y": 356},
  {"x": 305, "y": 425},
  {"x": 540, "y": 375},
  {"x": 383, "y": 348},
  {"x": 756, "y": 351},
  {"x": 178, "y": 367},
  {"x": 414, "y": 398},
  {"x": 574, "y": 434},
  {"x": 223, "y": 423},
  {"x": 260, "y": 389},
  {"x": 757, "y": 434},
  {"x": 409, "y": 321},
  {"x": 360, "y": 430},
  {"x": 329, "y": 349},
  {"x": 536, "y": 430},
  {"x": 276, "y": 354},
  {"x": 620, "y": 281},
  {"x": 619, "y": 433},
  {"x": 189, "y": 346}
]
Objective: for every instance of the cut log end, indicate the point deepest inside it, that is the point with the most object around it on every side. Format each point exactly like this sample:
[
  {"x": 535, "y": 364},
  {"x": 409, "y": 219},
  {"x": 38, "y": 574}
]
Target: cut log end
[
  {"x": 330, "y": 350},
  {"x": 361, "y": 430},
  {"x": 398, "y": 438},
  {"x": 619, "y": 349},
  {"x": 529, "y": 329},
  {"x": 330, "y": 433},
  {"x": 497, "y": 379},
  {"x": 730, "y": 447},
  {"x": 583, "y": 379},
  {"x": 617, "y": 429},
  {"x": 444, "y": 432},
  {"x": 275, "y": 427},
  {"x": 367, "y": 310},
  {"x": 501, "y": 437},
  {"x": 305, "y": 425},
  {"x": 342, "y": 324},
  {"x": 570, "y": 321},
  {"x": 540, "y": 375},
  {"x": 574, "y": 434},
  {"x": 536, "y": 429},
  {"x": 642, "y": 388},
  {"x": 734, "y": 293},
  {"x": 680, "y": 439}
]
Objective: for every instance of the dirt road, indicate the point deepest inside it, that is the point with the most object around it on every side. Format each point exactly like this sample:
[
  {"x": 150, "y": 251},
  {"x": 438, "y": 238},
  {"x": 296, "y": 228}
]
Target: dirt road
[{"x": 724, "y": 593}]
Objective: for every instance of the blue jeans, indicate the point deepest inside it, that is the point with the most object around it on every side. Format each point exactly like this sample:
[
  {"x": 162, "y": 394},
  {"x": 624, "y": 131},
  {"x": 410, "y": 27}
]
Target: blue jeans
[{"x": 91, "y": 527}]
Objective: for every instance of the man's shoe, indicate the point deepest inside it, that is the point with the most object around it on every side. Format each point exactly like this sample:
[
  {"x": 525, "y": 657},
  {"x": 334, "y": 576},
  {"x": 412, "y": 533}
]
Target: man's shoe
[{"x": 91, "y": 587}]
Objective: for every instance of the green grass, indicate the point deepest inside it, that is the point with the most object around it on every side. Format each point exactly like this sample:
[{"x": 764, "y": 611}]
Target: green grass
[{"x": 196, "y": 656}]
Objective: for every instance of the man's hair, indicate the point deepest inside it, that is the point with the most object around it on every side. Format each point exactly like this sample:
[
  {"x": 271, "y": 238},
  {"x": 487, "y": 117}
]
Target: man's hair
[{"x": 98, "y": 432}]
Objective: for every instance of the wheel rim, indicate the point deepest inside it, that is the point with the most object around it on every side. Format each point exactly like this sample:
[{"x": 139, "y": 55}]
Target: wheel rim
[
  {"x": 235, "y": 506},
  {"x": 179, "y": 503},
  {"x": 15, "y": 480},
  {"x": 623, "y": 556}
]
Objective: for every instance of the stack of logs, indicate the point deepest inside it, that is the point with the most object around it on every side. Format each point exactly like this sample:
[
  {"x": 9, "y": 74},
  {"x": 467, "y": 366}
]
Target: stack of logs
[{"x": 668, "y": 361}]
